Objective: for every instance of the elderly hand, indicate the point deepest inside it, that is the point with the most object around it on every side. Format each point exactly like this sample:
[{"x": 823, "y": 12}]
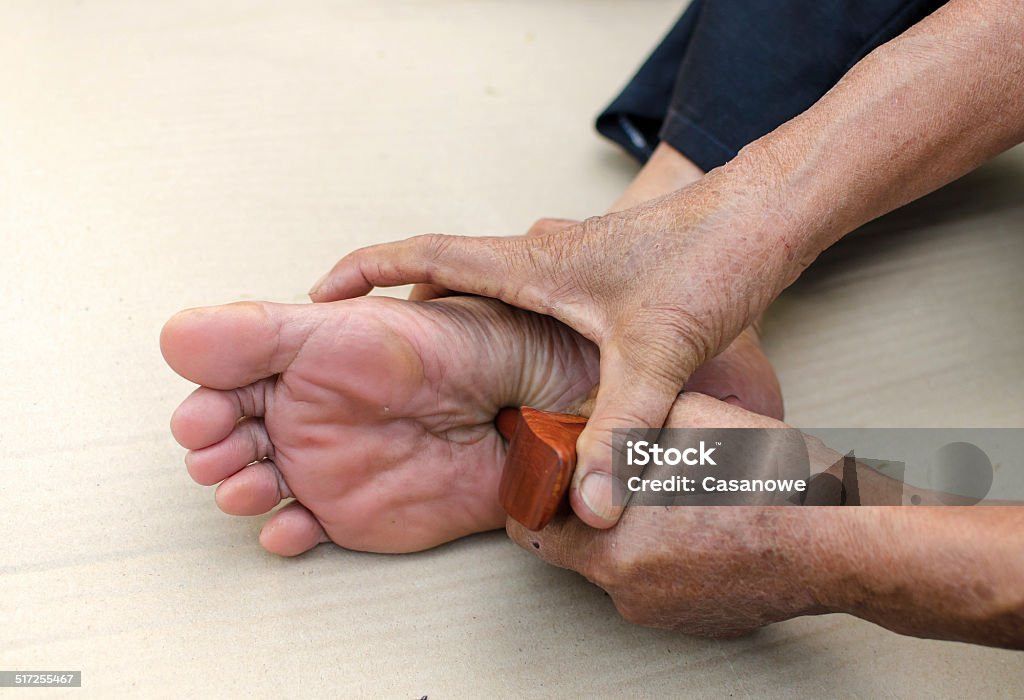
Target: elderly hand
[
  {"x": 940, "y": 572},
  {"x": 541, "y": 227},
  {"x": 660, "y": 289},
  {"x": 711, "y": 571}
]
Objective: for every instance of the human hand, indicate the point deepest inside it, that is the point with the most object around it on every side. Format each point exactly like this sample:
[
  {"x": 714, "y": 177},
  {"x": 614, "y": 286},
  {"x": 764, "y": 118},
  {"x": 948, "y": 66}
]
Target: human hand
[
  {"x": 660, "y": 289},
  {"x": 938, "y": 572},
  {"x": 426, "y": 292},
  {"x": 711, "y": 571}
]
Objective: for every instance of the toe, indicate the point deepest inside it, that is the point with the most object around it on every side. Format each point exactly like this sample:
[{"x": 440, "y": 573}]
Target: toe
[
  {"x": 254, "y": 490},
  {"x": 247, "y": 443},
  {"x": 292, "y": 531},
  {"x": 208, "y": 416},
  {"x": 225, "y": 347}
]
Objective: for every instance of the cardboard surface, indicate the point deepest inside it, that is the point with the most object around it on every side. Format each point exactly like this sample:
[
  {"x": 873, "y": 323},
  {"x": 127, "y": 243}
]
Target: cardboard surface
[{"x": 159, "y": 156}]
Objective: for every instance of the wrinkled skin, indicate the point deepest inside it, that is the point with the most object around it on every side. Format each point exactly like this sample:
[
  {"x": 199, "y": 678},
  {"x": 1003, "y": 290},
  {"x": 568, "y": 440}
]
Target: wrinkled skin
[
  {"x": 741, "y": 374},
  {"x": 731, "y": 573},
  {"x": 659, "y": 292},
  {"x": 375, "y": 415},
  {"x": 727, "y": 571},
  {"x": 940, "y": 572},
  {"x": 708, "y": 571},
  {"x": 664, "y": 286}
]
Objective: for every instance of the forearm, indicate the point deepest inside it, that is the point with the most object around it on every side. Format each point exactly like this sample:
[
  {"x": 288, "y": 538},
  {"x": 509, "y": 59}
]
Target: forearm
[
  {"x": 915, "y": 114},
  {"x": 943, "y": 573}
]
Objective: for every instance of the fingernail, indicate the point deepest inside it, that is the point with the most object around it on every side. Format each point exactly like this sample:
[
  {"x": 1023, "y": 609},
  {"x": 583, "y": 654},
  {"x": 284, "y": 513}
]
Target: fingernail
[
  {"x": 319, "y": 283},
  {"x": 597, "y": 491}
]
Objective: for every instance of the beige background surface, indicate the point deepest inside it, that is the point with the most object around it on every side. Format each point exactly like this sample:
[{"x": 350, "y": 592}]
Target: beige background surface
[{"x": 161, "y": 155}]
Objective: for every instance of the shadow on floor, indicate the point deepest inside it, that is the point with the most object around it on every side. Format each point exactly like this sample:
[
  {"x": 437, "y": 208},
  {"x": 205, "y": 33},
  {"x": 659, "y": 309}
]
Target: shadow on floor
[{"x": 994, "y": 189}]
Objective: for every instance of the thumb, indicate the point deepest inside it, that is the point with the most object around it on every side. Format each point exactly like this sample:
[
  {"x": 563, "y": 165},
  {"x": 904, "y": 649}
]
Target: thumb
[{"x": 631, "y": 396}]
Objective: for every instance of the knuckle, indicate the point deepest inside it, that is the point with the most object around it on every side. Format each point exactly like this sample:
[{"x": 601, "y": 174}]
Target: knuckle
[
  {"x": 541, "y": 227},
  {"x": 592, "y": 223},
  {"x": 532, "y": 254},
  {"x": 611, "y": 231},
  {"x": 566, "y": 283},
  {"x": 612, "y": 568},
  {"x": 548, "y": 225},
  {"x": 519, "y": 534},
  {"x": 631, "y": 611},
  {"x": 535, "y": 263},
  {"x": 667, "y": 341},
  {"x": 671, "y": 324},
  {"x": 433, "y": 246},
  {"x": 371, "y": 263},
  {"x": 363, "y": 258}
]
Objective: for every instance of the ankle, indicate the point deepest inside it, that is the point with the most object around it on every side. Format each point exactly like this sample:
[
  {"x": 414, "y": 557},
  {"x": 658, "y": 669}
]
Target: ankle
[{"x": 667, "y": 170}]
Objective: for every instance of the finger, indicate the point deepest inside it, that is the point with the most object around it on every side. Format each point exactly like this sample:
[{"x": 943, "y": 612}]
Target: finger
[
  {"x": 292, "y": 531},
  {"x": 254, "y": 490},
  {"x": 566, "y": 542},
  {"x": 230, "y": 346},
  {"x": 633, "y": 394},
  {"x": 542, "y": 227},
  {"x": 502, "y": 268}
]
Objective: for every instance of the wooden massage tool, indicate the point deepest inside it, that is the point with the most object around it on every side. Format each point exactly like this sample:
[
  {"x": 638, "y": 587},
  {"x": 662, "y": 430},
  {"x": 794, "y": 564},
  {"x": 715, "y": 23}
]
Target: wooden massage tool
[{"x": 539, "y": 464}]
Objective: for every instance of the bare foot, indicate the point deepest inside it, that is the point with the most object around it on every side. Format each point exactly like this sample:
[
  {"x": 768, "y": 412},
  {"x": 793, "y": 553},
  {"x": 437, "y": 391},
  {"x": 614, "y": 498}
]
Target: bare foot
[{"x": 375, "y": 415}]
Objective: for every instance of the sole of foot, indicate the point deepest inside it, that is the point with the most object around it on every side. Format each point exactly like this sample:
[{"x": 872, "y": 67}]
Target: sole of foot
[{"x": 375, "y": 415}]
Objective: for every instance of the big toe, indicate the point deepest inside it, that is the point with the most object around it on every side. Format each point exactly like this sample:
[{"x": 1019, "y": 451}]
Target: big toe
[{"x": 225, "y": 347}]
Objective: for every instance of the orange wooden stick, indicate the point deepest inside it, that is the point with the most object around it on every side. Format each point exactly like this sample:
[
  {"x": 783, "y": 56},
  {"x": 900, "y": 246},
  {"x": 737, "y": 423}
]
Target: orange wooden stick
[{"x": 539, "y": 464}]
